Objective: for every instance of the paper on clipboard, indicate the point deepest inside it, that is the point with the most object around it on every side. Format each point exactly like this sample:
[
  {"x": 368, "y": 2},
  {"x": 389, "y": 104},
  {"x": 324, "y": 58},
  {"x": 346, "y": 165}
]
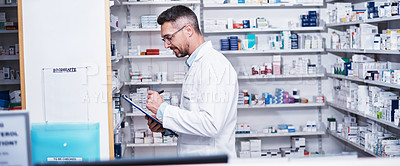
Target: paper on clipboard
[{"x": 147, "y": 114}]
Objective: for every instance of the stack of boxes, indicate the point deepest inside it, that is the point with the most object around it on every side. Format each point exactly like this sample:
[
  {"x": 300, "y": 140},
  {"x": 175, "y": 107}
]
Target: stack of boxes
[
  {"x": 143, "y": 136},
  {"x": 140, "y": 98},
  {"x": 149, "y": 21},
  {"x": 295, "y": 41},
  {"x": 310, "y": 20},
  {"x": 243, "y": 128},
  {"x": 179, "y": 76},
  {"x": 224, "y": 44},
  {"x": 286, "y": 40},
  {"x": 250, "y": 149},
  {"x": 299, "y": 145},
  {"x": 276, "y": 64},
  {"x": 233, "y": 43},
  {"x": 215, "y": 24},
  {"x": 2, "y": 20},
  {"x": 372, "y": 137}
]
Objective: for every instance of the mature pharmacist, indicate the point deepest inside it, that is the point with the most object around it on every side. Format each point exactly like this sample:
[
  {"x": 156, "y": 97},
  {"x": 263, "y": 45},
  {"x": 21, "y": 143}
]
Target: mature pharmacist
[{"x": 206, "y": 118}]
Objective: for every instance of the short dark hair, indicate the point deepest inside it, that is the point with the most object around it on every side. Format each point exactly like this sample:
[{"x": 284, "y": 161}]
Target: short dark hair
[{"x": 176, "y": 12}]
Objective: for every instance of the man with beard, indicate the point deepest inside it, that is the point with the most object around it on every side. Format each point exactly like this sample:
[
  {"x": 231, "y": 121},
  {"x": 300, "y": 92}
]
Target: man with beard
[{"x": 206, "y": 118}]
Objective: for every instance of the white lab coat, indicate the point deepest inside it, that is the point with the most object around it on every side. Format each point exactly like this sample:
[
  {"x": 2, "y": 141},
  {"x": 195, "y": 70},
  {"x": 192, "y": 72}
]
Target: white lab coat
[{"x": 206, "y": 118}]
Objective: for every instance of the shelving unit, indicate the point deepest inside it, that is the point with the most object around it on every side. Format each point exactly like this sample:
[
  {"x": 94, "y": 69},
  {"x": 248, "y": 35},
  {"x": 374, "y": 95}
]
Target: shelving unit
[
  {"x": 266, "y": 77},
  {"x": 153, "y": 83},
  {"x": 392, "y": 52},
  {"x": 375, "y": 20},
  {"x": 8, "y": 6},
  {"x": 9, "y": 82},
  {"x": 140, "y": 30},
  {"x": 356, "y": 79},
  {"x": 296, "y": 105},
  {"x": 260, "y": 135},
  {"x": 8, "y": 31},
  {"x": 264, "y": 5},
  {"x": 9, "y": 57},
  {"x": 152, "y": 57},
  {"x": 390, "y": 124},
  {"x": 129, "y": 38},
  {"x": 243, "y": 80},
  {"x": 292, "y": 51},
  {"x": 132, "y": 145},
  {"x": 298, "y": 29},
  {"x": 357, "y": 146},
  {"x": 172, "y": 3}
]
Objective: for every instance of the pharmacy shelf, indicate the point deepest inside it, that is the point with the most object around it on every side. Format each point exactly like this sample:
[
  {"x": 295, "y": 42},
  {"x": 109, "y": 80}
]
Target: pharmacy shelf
[
  {"x": 152, "y": 57},
  {"x": 263, "y": 5},
  {"x": 141, "y": 30},
  {"x": 350, "y": 143},
  {"x": 8, "y": 31},
  {"x": 115, "y": 3},
  {"x": 118, "y": 125},
  {"x": 117, "y": 89},
  {"x": 116, "y": 59},
  {"x": 5, "y": 6},
  {"x": 356, "y": 79},
  {"x": 392, "y": 18},
  {"x": 135, "y": 114},
  {"x": 293, "y": 105},
  {"x": 298, "y": 29},
  {"x": 263, "y": 77},
  {"x": 172, "y": 3},
  {"x": 375, "y": 20},
  {"x": 272, "y": 51},
  {"x": 115, "y": 29},
  {"x": 153, "y": 83},
  {"x": 394, "y": 52},
  {"x": 9, "y": 82},
  {"x": 390, "y": 124},
  {"x": 9, "y": 57},
  {"x": 258, "y": 135},
  {"x": 131, "y": 145},
  {"x": 343, "y": 24}
]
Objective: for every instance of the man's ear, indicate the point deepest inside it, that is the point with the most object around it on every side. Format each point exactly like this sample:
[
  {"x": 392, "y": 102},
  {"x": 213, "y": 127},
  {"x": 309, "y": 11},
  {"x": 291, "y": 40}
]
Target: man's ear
[{"x": 189, "y": 30}]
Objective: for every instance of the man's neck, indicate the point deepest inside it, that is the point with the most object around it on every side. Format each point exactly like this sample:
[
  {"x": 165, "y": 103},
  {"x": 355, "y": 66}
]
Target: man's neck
[{"x": 196, "y": 44}]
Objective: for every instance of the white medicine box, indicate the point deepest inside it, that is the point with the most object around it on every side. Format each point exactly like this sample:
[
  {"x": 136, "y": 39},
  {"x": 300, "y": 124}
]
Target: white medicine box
[{"x": 15, "y": 96}]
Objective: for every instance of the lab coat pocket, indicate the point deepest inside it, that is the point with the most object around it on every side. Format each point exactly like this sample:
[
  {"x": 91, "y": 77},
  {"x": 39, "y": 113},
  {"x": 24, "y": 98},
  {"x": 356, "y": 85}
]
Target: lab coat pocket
[{"x": 186, "y": 102}]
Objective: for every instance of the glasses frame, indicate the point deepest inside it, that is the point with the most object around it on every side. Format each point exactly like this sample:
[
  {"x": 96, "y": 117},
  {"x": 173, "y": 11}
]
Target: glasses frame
[{"x": 169, "y": 38}]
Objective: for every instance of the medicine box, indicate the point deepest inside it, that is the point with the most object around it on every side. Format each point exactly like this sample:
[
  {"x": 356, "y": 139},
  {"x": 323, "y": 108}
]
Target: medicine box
[{"x": 255, "y": 145}]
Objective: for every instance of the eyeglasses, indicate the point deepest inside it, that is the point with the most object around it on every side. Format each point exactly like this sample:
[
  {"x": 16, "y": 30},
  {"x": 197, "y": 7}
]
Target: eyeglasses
[{"x": 169, "y": 38}]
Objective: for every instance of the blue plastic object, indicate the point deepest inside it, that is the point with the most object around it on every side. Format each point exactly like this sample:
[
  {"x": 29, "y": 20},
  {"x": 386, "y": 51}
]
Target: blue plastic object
[
  {"x": 4, "y": 103},
  {"x": 5, "y": 95},
  {"x": 65, "y": 141}
]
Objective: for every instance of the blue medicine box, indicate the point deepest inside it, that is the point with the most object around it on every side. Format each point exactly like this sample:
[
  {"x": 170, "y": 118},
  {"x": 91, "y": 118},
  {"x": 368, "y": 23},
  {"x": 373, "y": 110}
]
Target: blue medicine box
[
  {"x": 312, "y": 13},
  {"x": 241, "y": 1},
  {"x": 63, "y": 142}
]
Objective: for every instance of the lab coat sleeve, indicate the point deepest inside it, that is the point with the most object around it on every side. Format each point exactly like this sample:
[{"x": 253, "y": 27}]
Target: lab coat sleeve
[{"x": 211, "y": 104}]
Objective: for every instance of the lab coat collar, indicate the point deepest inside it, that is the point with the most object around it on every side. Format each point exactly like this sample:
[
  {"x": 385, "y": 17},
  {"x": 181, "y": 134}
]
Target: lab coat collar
[{"x": 192, "y": 57}]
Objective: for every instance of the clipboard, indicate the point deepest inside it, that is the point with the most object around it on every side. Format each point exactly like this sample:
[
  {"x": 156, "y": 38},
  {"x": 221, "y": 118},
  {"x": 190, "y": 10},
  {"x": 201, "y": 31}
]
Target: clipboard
[{"x": 148, "y": 115}]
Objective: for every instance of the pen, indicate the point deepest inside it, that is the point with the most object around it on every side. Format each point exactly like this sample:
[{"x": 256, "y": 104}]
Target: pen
[{"x": 160, "y": 92}]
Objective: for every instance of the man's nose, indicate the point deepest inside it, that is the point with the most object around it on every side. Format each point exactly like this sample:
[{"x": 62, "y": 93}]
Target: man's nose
[{"x": 166, "y": 45}]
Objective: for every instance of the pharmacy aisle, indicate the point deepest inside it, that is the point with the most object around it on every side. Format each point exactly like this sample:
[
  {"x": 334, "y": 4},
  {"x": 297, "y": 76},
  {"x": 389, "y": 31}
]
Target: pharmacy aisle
[{"x": 363, "y": 43}]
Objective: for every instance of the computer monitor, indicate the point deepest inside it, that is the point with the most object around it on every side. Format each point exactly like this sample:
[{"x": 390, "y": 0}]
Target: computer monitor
[
  {"x": 223, "y": 158},
  {"x": 15, "y": 147}
]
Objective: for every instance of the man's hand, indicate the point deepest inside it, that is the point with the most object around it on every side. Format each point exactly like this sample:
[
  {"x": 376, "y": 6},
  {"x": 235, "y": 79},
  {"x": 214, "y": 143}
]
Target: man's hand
[
  {"x": 154, "y": 100},
  {"x": 153, "y": 125}
]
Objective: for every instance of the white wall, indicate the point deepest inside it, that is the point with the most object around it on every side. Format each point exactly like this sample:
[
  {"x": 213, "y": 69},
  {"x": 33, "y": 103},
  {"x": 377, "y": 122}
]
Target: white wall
[{"x": 67, "y": 33}]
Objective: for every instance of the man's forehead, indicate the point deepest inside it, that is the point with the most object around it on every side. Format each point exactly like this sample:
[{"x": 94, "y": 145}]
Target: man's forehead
[{"x": 167, "y": 29}]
